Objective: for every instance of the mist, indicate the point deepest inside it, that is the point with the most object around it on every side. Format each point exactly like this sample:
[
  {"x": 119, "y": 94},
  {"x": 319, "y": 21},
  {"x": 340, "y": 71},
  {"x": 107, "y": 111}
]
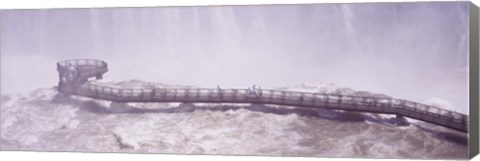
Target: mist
[{"x": 415, "y": 51}]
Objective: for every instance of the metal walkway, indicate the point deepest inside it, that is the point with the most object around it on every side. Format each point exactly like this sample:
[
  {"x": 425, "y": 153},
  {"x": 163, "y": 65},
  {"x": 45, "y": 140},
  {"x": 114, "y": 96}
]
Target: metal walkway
[{"x": 88, "y": 68}]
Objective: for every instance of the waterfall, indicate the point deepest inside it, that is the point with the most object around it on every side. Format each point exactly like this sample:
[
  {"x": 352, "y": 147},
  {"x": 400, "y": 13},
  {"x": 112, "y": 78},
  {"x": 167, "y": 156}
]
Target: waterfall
[{"x": 390, "y": 48}]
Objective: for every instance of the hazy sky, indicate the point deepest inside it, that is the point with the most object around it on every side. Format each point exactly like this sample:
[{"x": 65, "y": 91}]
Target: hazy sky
[{"x": 416, "y": 51}]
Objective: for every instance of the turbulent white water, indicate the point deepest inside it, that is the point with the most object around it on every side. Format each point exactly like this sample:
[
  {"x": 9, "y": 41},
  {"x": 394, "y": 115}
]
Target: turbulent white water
[{"x": 46, "y": 120}]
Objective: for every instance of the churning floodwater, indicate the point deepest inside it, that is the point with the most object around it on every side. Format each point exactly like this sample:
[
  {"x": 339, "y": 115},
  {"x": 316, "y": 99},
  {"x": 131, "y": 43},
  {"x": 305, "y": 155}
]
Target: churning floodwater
[
  {"x": 46, "y": 120},
  {"x": 413, "y": 51}
]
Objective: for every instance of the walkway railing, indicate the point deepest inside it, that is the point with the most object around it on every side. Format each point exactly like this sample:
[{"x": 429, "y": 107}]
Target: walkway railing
[{"x": 400, "y": 107}]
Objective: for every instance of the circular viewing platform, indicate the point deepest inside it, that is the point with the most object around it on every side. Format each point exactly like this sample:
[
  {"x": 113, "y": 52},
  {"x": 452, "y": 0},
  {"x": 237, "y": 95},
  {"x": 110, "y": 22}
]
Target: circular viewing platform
[{"x": 75, "y": 72}]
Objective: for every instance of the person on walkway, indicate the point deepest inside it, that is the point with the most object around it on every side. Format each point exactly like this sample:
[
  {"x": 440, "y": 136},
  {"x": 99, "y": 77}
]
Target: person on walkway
[{"x": 219, "y": 89}]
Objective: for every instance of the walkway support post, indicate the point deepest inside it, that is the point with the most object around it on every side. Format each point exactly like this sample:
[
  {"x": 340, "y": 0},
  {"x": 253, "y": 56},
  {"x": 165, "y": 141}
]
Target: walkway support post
[{"x": 398, "y": 116}]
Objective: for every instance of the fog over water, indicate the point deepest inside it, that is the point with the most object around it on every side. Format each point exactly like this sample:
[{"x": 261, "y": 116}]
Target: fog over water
[{"x": 416, "y": 51}]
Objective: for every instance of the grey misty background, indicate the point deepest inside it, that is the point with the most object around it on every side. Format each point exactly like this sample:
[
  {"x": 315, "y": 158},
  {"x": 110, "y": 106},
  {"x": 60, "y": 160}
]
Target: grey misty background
[{"x": 415, "y": 51}]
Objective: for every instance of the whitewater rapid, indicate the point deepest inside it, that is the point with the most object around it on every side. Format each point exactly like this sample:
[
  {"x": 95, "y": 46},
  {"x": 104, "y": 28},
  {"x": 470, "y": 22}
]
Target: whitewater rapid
[{"x": 45, "y": 120}]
